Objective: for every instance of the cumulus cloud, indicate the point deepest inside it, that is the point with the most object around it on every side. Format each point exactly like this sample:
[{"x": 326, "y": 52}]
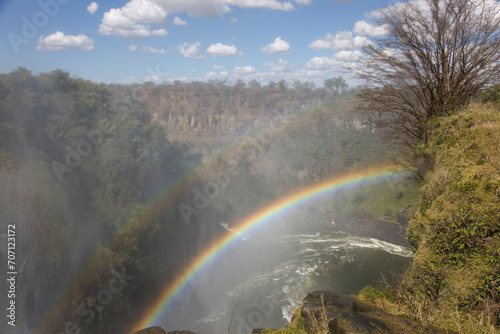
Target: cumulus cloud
[
  {"x": 59, "y": 41},
  {"x": 244, "y": 70},
  {"x": 196, "y": 8},
  {"x": 364, "y": 28},
  {"x": 261, "y": 4},
  {"x": 146, "y": 49},
  {"x": 279, "y": 46},
  {"x": 215, "y": 76},
  {"x": 191, "y": 50},
  {"x": 133, "y": 20},
  {"x": 282, "y": 66},
  {"x": 338, "y": 60},
  {"x": 347, "y": 55},
  {"x": 322, "y": 63},
  {"x": 222, "y": 50},
  {"x": 179, "y": 22},
  {"x": 92, "y": 8},
  {"x": 146, "y": 11},
  {"x": 343, "y": 40}
]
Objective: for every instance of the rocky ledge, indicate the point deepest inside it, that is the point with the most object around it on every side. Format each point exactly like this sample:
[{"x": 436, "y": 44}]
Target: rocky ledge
[
  {"x": 342, "y": 314},
  {"x": 346, "y": 314},
  {"x": 159, "y": 330}
]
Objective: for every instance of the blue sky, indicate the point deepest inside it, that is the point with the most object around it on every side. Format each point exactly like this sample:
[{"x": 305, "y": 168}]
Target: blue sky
[{"x": 165, "y": 40}]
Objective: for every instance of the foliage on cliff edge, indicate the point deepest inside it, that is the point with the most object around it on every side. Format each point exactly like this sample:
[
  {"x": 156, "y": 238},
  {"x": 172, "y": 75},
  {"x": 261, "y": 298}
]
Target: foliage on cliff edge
[{"x": 454, "y": 281}]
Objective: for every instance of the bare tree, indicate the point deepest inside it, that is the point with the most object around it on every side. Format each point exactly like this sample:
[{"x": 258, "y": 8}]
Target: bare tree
[{"x": 436, "y": 56}]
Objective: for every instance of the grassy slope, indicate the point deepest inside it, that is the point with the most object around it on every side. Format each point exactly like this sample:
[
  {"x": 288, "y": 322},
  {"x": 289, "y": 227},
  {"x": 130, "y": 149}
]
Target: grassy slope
[
  {"x": 456, "y": 230},
  {"x": 454, "y": 281}
]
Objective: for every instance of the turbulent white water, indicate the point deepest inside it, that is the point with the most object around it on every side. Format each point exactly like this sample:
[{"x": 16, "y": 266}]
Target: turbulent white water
[{"x": 287, "y": 267}]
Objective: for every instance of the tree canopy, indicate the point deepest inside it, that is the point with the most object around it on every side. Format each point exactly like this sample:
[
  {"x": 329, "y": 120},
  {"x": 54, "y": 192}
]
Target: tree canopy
[{"x": 436, "y": 55}]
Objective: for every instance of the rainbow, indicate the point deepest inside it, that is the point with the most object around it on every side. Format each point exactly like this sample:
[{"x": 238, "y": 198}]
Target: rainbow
[
  {"x": 163, "y": 198},
  {"x": 174, "y": 288}
]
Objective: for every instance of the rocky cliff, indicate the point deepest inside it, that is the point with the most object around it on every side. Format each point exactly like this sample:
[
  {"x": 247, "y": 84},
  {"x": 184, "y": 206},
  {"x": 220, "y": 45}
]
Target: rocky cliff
[{"x": 207, "y": 114}]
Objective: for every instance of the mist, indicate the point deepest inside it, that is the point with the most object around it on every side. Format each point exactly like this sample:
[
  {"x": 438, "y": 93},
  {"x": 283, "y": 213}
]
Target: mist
[{"x": 116, "y": 191}]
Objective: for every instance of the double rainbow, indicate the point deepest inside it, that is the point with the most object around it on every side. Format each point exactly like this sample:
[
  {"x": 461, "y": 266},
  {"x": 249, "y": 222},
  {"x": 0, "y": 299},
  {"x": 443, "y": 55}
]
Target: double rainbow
[{"x": 173, "y": 289}]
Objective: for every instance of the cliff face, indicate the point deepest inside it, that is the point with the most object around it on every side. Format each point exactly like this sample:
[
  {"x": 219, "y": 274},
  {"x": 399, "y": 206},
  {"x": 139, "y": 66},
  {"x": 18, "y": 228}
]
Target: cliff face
[
  {"x": 203, "y": 113},
  {"x": 205, "y": 108},
  {"x": 456, "y": 231}
]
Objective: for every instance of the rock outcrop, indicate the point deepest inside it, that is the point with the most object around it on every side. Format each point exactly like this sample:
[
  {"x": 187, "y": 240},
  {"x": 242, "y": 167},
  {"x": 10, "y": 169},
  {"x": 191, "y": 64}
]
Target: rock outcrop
[
  {"x": 346, "y": 314},
  {"x": 159, "y": 330},
  {"x": 151, "y": 330}
]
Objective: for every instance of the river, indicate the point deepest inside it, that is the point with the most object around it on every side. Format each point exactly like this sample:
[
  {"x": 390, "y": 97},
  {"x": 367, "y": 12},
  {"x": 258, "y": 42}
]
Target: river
[{"x": 260, "y": 283}]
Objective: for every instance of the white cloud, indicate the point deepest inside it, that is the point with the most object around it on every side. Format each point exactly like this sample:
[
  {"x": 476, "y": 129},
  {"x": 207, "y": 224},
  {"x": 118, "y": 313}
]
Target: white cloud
[
  {"x": 322, "y": 44},
  {"x": 179, "y": 22},
  {"x": 282, "y": 66},
  {"x": 222, "y": 50},
  {"x": 343, "y": 40},
  {"x": 364, "y": 28},
  {"x": 244, "y": 70},
  {"x": 215, "y": 76},
  {"x": 191, "y": 50},
  {"x": 322, "y": 63},
  {"x": 59, "y": 41},
  {"x": 341, "y": 59},
  {"x": 261, "y": 4},
  {"x": 196, "y": 8},
  {"x": 279, "y": 46},
  {"x": 347, "y": 55},
  {"x": 146, "y": 49},
  {"x": 133, "y": 20},
  {"x": 150, "y": 49},
  {"x": 145, "y": 11},
  {"x": 92, "y": 8},
  {"x": 217, "y": 68}
]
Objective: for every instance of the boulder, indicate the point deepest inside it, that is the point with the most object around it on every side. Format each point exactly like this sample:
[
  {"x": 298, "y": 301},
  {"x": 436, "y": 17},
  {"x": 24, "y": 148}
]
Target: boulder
[
  {"x": 159, "y": 330},
  {"x": 151, "y": 330}
]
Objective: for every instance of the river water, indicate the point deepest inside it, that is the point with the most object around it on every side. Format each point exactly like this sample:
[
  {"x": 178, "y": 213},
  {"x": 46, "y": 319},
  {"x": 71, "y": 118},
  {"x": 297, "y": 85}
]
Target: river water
[{"x": 259, "y": 284}]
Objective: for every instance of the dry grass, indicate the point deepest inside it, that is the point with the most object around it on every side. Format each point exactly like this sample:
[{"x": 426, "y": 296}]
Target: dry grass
[{"x": 319, "y": 326}]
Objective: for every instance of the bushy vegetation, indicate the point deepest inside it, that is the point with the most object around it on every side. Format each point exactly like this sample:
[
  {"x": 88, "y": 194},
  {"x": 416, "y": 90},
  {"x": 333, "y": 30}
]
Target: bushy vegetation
[
  {"x": 333, "y": 139},
  {"x": 454, "y": 280},
  {"x": 78, "y": 166}
]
